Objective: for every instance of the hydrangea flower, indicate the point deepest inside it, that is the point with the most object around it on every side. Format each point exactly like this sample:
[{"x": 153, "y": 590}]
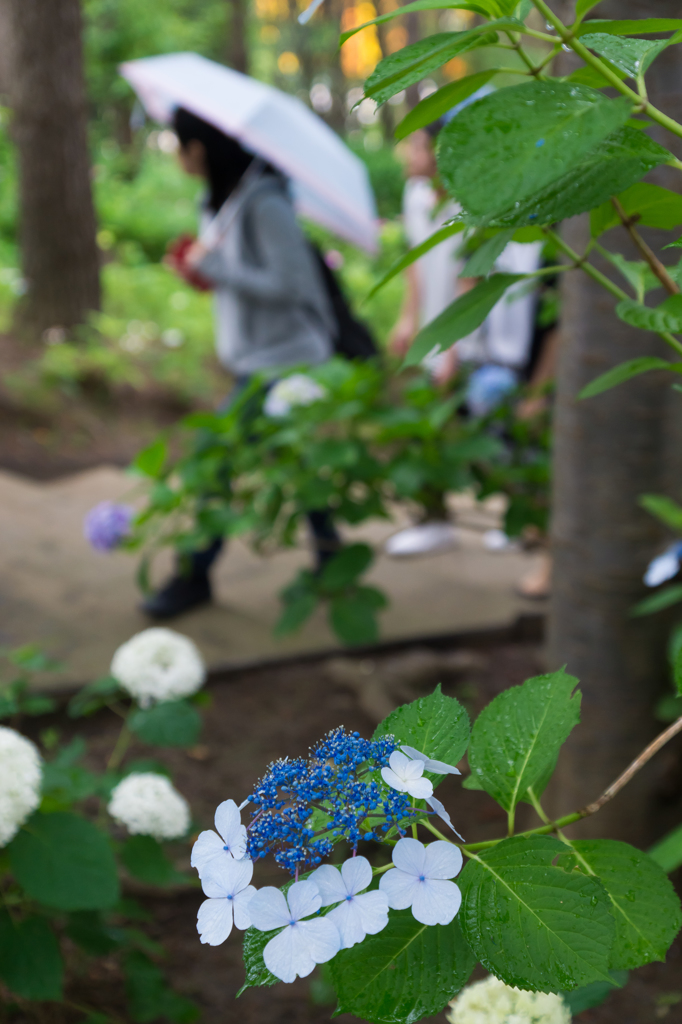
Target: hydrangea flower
[
  {"x": 435, "y": 805},
  {"x": 226, "y": 883},
  {"x": 664, "y": 566},
  {"x": 21, "y": 774},
  {"x": 405, "y": 775},
  {"x": 493, "y": 1002},
  {"x": 158, "y": 664},
  {"x": 420, "y": 880},
  {"x": 437, "y": 767},
  {"x": 300, "y": 944},
  {"x": 339, "y": 781},
  {"x": 357, "y": 914},
  {"x": 107, "y": 524},
  {"x": 148, "y": 804},
  {"x": 298, "y": 389},
  {"x": 230, "y": 839}
]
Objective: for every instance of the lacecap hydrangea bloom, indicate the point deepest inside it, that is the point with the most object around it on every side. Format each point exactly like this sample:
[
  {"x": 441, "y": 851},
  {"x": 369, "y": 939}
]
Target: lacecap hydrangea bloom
[
  {"x": 298, "y": 389},
  {"x": 21, "y": 775},
  {"x": 149, "y": 805},
  {"x": 158, "y": 664},
  {"x": 493, "y": 1002},
  {"x": 107, "y": 524}
]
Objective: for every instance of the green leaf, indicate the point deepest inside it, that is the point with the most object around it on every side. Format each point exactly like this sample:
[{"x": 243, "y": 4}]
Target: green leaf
[
  {"x": 623, "y": 372},
  {"x": 414, "y": 254},
  {"x": 657, "y": 602},
  {"x": 668, "y": 851},
  {"x": 352, "y": 615},
  {"x": 144, "y": 858},
  {"x": 405, "y": 973},
  {"x": 488, "y": 8},
  {"x": 93, "y": 696},
  {"x": 583, "y": 7},
  {"x": 461, "y": 317},
  {"x": 345, "y": 567},
  {"x": 516, "y": 739},
  {"x": 483, "y": 260},
  {"x": 646, "y": 907},
  {"x": 471, "y": 782},
  {"x": 666, "y": 317},
  {"x": 151, "y": 460},
  {"x": 257, "y": 973},
  {"x": 30, "y": 961},
  {"x": 654, "y": 207},
  {"x": 64, "y": 861},
  {"x": 531, "y": 923},
  {"x": 296, "y": 611},
  {"x": 88, "y": 930},
  {"x": 633, "y": 56},
  {"x": 630, "y": 26},
  {"x": 668, "y": 708},
  {"x": 595, "y": 994},
  {"x": 510, "y": 145},
  {"x": 664, "y": 508},
  {"x": 173, "y": 723},
  {"x": 440, "y": 102},
  {"x": 412, "y": 63},
  {"x": 587, "y": 75},
  {"x": 149, "y": 995},
  {"x": 436, "y": 725}
]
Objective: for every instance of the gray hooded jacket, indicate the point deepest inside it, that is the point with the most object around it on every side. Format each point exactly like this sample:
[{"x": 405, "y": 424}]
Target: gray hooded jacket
[{"x": 272, "y": 309}]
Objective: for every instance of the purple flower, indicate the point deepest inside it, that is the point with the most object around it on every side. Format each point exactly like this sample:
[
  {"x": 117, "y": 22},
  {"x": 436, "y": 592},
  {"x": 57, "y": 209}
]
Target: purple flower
[{"x": 107, "y": 524}]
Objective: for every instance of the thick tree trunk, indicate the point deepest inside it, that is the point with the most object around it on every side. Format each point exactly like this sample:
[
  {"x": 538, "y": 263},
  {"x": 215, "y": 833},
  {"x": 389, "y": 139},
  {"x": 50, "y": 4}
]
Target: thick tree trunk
[
  {"x": 59, "y": 249},
  {"x": 237, "y": 49},
  {"x": 608, "y": 451}
]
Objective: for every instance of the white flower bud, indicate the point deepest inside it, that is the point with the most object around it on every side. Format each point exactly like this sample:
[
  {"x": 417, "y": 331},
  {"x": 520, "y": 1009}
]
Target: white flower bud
[
  {"x": 21, "y": 775},
  {"x": 149, "y": 805},
  {"x": 158, "y": 664}
]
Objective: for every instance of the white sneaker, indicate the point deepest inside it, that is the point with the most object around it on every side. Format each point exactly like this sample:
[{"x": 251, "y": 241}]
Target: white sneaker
[
  {"x": 422, "y": 540},
  {"x": 497, "y": 540}
]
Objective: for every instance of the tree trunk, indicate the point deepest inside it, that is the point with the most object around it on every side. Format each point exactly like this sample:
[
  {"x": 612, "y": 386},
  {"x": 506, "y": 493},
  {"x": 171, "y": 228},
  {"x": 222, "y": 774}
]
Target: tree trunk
[
  {"x": 58, "y": 228},
  {"x": 608, "y": 451},
  {"x": 237, "y": 50}
]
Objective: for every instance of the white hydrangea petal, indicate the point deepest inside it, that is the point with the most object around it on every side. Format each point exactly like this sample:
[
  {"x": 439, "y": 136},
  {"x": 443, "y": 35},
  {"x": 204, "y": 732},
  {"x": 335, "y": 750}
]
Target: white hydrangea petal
[
  {"x": 399, "y": 888},
  {"x": 269, "y": 910},
  {"x": 304, "y": 899},
  {"x": 435, "y": 804},
  {"x": 412, "y": 752},
  {"x": 214, "y": 921},
  {"x": 288, "y": 956},
  {"x": 420, "y": 789},
  {"x": 400, "y": 764},
  {"x": 21, "y": 774},
  {"x": 373, "y": 907},
  {"x": 330, "y": 884},
  {"x": 662, "y": 568},
  {"x": 357, "y": 874},
  {"x": 347, "y": 918},
  {"x": 430, "y": 764},
  {"x": 409, "y": 855},
  {"x": 442, "y": 860},
  {"x": 436, "y": 901},
  {"x": 207, "y": 846},
  {"x": 392, "y": 780},
  {"x": 322, "y": 939},
  {"x": 228, "y": 823},
  {"x": 225, "y": 876},
  {"x": 241, "y": 901},
  {"x": 148, "y": 804}
]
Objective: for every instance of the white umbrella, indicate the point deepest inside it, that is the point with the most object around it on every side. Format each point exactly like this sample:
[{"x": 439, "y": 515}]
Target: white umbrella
[{"x": 330, "y": 184}]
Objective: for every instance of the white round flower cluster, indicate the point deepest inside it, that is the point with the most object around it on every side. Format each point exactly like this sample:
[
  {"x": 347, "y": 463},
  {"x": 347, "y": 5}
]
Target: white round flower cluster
[
  {"x": 158, "y": 664},
  {"x": 298, "y": 389},
  {"x": 493, "y": 1002},
  {"x": 21, "y": 774},
  {"x": 149, "y": 805}
]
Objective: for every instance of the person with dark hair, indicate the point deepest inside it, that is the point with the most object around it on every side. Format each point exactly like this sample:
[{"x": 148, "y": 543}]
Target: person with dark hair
[{"x": 272, "y": 308}]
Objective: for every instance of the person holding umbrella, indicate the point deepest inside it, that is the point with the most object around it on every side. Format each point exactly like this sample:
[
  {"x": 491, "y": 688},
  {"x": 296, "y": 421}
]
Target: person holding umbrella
[{"x": 272, "y": 308}]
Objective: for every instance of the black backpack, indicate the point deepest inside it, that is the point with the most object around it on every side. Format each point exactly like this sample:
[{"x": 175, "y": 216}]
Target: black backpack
[{"x": 352, "y": 339}]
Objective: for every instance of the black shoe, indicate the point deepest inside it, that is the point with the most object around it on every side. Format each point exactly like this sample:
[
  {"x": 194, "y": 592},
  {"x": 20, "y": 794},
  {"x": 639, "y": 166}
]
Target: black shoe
[{"x": 179, "y": 595}]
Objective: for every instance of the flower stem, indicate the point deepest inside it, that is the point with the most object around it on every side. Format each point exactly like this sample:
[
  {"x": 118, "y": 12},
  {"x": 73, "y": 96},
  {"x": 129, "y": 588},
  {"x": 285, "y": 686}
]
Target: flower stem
[
  {"x": 118, "y": 753},
  {"x": 657, "y": 268}
]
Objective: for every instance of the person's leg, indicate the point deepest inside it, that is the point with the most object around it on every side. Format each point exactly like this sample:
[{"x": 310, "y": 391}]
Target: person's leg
[
  {"x": 189, "y": 587},
  {"x": 326, "y": 538}
]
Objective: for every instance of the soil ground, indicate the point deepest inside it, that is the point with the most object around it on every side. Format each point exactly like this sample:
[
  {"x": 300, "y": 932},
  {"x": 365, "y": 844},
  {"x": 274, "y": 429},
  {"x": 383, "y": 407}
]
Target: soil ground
[{"x": 265, "y": 713}]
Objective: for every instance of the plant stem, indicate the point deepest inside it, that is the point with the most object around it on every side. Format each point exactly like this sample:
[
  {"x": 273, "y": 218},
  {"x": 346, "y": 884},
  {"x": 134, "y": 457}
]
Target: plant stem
[
  {"x": 511, "y": 816},
  {"x": 432, "y": 828},
  {"x": 649, "y": 255},
  {"x": 118, "y": 753},
  {"x": 538, "y": 806},
  {"x": 380, "y": 871}
]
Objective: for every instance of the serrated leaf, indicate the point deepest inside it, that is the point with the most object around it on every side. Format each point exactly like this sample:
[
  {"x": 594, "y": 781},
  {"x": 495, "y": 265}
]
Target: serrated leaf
[
  {"x": 483, "y": 260},
  {"x": 625, "y": 371},
  {"x": 461, "y": 317},
  {"x": 257, "y": 973},
  {"x": 30, "y": 962},
  {"x": 173, "y": 723},
  {"x": 666, "y": 317},
  {"x": 414, "y": 254},
  {"x": 595, "y": 994},
  {"x": 668, "y": 852},
  {"x": 657, "y": 602},
  {"x": 440, "y": 102},
  {"x": 533, "y": 924},
  {"x": 664, "y": 508},
  {"x": 409, "y": 65},
  {"x": 630, "y": 26},
  {"x": 352, "y": 615},
  {"x": 345, "y": 567},
  {"x": 405, "y": 973},
  {"x": 64, "y": 861},
  {"x": 583, "y": 7},
  {"x": 633, "y": 56},
  {"x": 654, "y": 207},
  {"x": 488, "y": 8},
  {"x": 436, "y": 725},
  {"x": 296, "y": 611},
  {"x": 513, "y": 143},
  {"x": 646, "y": 907},
  {"x": 516, "y": 739}
]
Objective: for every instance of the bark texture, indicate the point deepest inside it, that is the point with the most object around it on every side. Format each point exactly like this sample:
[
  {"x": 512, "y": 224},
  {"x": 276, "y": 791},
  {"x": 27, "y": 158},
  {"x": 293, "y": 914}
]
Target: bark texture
[
  {"x": 608, "y": 451},
  {"x": 57, "y": 218},
  {"x": 237, "y": 49}
]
